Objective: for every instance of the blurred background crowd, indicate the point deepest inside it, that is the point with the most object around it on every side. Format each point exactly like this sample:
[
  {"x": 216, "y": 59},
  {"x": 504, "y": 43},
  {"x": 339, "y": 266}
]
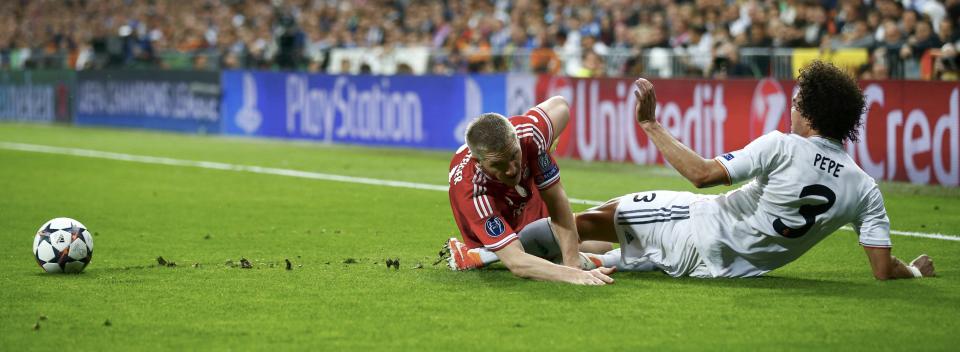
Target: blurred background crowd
[{"x": 581, "y": 38}]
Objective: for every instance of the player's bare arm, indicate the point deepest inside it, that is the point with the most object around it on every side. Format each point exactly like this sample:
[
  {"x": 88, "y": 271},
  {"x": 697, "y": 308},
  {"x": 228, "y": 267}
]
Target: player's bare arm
[
  {"x": 561, "y": 216},
  {"x": 886, "y": 266},
  {"x": 699, "y": 171},
  {"x": 562, "y": 221},
  {"x": 528, "y": 266},
  {"x": 558, "y": 111}
]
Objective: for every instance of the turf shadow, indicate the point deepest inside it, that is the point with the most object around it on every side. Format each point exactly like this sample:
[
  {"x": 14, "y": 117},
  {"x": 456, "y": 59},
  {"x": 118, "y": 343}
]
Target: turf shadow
[{"x": 903, "y": 291}]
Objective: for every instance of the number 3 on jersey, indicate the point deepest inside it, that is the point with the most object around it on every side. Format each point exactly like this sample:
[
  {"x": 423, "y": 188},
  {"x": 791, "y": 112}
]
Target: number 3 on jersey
[{"x": 808, "y": 212}]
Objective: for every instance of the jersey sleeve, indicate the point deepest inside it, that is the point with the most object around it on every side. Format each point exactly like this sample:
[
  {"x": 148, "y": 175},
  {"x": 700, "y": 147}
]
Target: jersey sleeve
[
  {"x": 756, "y": 158},
  {"x": 493, "y": 231},
  {"x": 872, "y": 224},
  {"x": 538, "y": 118},
  {"x": 482, "y": 220},
  {"x": 546, "y": 172},
  {"x": 535, "y": 133}
]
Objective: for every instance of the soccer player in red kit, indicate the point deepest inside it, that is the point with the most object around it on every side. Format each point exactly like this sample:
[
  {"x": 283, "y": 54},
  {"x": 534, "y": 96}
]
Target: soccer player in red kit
[{"x": 506, "y": 197}]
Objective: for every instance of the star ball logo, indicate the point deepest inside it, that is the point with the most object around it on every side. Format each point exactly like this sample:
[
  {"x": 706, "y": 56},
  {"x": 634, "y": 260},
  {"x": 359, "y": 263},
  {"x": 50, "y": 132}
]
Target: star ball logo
[
  {"x": 249, "y": 117},
  {"x": 494, "y": 227},
  {"x": 768, "y": 108},
  {"x": 544, "y": 160}
]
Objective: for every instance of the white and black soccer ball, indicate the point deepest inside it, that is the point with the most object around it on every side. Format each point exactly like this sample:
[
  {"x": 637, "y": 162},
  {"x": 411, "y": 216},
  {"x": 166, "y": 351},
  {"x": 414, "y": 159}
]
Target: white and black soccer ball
[{"x": 63, "y": 245}]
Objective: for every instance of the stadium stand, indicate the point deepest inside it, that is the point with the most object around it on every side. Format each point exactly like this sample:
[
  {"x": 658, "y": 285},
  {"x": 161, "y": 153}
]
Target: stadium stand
[{"x": 909, "y": 39}]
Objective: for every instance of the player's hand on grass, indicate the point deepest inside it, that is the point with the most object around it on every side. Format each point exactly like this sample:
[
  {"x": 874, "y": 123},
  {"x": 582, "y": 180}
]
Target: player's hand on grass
[
  {"x": 646, "y": 101},
  {"x": 925, "y": 265},
  {"x": 596, "y": 277}
]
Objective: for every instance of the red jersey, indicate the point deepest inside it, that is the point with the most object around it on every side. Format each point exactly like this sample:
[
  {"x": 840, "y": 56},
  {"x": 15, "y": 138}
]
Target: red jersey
[{"x": 489, "y": 213}]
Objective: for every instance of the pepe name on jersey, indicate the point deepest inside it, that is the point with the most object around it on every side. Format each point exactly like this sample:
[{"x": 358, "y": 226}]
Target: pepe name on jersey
[{"x": 826, "y": 164}]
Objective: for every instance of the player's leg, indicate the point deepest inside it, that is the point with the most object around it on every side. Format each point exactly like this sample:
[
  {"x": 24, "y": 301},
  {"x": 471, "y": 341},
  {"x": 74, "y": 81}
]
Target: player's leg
[
  {"x": 653, "y": 229},
  {"x": 656, "y": 227},
  {"x": 597, "y": 223},
  {"x": 537, "y": 238},
  {"x": 595, "y": 247},
  {"x": 614, "y": 259}
]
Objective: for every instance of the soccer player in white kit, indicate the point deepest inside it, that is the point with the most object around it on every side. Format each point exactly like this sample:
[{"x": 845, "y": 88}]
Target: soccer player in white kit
[{"x": 801, "y": 188}]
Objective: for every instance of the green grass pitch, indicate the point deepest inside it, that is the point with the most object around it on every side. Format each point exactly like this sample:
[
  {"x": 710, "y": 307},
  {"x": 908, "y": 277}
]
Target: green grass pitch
[{"x": 826, "y": 300}]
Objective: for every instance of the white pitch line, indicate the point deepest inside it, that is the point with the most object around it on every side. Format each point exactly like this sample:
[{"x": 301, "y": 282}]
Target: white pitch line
[{"x": 308, "y": 175}]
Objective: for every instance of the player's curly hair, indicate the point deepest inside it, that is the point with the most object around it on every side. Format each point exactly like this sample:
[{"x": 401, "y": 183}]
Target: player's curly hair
[
  {"x": 491, "y": 133},
  {"x": 831, "y": 100}
]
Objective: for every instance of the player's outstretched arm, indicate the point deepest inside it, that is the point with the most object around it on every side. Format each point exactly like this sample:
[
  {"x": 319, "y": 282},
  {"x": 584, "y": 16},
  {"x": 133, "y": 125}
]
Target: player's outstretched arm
[
  {"x": 563, "y": 223},
  {"x": 886, "y": 266},
  {"x": 699, "y": 171},
  {"x": 528, "y": 266},
  {"x": 558, "y": 111}
]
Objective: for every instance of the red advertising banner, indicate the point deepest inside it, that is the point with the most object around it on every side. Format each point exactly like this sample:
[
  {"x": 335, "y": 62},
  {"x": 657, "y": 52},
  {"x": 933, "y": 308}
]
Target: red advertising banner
[{"x": 910, "y": 131}]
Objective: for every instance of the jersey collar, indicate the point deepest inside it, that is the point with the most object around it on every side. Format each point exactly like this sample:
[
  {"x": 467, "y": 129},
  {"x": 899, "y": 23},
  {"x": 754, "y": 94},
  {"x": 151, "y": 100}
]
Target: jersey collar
[
  {"x": 482, "y": 177},
  {"x": 830, "y": 142}
]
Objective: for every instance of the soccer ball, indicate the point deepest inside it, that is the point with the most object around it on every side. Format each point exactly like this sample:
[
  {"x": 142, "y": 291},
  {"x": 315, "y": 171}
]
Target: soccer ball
[{"x": 63, "y": 245}]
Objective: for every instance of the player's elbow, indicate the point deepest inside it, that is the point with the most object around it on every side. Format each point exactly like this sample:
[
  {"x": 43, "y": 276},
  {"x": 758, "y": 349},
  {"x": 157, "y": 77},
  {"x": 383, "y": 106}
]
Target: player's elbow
[
  {"x": 559, "y": 102},
  {"x": 700, "y": 179},
  {"x": 698, "y": 183},
  {"x": 706, "y": 174}
]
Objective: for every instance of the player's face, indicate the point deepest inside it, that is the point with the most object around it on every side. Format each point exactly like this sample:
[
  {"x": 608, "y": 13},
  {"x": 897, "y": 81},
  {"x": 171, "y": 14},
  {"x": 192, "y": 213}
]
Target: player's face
[
  {"x": 504, "y": 166},
  {"x": 798, "y": 124}
]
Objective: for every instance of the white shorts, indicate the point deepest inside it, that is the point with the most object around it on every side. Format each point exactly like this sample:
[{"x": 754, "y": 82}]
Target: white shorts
[{"x": 655, "y": 226}]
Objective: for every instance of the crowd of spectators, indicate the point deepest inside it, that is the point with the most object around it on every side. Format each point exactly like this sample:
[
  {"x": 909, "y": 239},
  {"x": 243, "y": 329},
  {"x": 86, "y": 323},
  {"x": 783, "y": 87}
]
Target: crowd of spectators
[{"x": 572, "y": 37}]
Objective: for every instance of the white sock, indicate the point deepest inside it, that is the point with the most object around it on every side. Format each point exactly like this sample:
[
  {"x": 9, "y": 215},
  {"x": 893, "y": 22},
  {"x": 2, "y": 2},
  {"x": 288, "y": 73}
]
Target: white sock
[
  {"x": 610, "y": 259},
  {"x": 614, "y": 259},
  {"x": 486, "y": 256}
]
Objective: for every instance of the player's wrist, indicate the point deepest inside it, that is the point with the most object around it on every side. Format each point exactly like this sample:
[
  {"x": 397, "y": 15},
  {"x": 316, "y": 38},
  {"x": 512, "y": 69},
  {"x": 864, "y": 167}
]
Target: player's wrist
[
  {"x": 572, "y": 262},
  {"x": 648, "y": 124}
]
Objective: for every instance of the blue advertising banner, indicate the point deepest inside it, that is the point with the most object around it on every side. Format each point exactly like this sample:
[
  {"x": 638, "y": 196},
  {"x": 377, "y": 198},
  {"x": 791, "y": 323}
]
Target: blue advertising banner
[
  {"x": 184, "y": 101},
  {"x": 36, "y": 96},
  {"x": 407, "y": 111},
  {"x": 482, "y": 94}
]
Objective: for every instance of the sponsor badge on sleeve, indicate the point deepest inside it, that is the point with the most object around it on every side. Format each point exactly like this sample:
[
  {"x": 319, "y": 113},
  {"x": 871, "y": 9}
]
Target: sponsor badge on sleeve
[{"x": 494, "y": 226}]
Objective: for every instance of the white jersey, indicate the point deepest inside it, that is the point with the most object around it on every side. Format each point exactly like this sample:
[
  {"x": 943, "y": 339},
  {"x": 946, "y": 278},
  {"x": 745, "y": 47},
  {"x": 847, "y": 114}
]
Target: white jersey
[{"x": 802, "y": 190}]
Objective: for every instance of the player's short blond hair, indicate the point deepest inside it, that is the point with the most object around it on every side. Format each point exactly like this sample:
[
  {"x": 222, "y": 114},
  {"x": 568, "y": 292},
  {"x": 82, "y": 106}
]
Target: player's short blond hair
[{"x": 491, "y": 133}]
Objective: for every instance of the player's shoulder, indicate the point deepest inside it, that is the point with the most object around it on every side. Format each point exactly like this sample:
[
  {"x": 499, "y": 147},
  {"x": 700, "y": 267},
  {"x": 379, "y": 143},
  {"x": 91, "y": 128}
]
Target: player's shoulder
[
  {"x": 792, "y": 143},
  {"x": 463, "y": 168},
  {"x": 531, "y": 136},
  {"x": 461, "y": 156},
  {"x": 533, "y": 116},
  {"x": 777, "y": 136},
  {"x": 862, "y": 181},
  {"x": 530, "y": 121},
  {"x": 773, "y": 139}
]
